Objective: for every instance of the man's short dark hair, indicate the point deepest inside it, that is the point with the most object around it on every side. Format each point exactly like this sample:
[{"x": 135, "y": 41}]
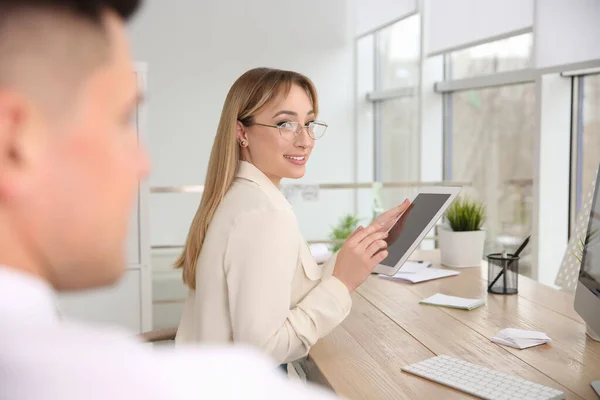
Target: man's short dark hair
[
  {"x": 91, "y": 9},
  {"x": 48, "y": 46}
]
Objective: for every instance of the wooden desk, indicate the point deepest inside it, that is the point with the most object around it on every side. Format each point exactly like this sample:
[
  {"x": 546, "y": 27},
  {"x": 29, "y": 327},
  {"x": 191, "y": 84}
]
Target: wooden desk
[{"x": 388, "y": 329}]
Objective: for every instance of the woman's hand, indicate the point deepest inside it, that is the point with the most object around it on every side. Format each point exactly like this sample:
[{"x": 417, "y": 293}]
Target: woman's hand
[
  {"x": 359, "y": 255},
  {"x": 383, "y": 222}
]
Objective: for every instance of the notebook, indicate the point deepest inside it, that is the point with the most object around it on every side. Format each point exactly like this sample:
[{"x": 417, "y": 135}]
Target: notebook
[
  {"x": 425, "y": 274},
  {"x": 460, "y": 303}
]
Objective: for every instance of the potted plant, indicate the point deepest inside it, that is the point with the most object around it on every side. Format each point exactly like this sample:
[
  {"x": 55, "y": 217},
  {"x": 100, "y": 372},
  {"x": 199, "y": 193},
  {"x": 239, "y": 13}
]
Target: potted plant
[
  {"x": 348, "y": 223},
  {"x": 462, "y": 241}
]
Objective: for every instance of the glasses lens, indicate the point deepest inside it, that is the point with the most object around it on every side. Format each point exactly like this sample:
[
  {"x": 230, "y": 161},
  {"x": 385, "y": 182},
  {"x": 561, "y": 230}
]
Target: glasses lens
[
  {"x": 288, "y": 130},
  {"x": 317, "y": 129}
]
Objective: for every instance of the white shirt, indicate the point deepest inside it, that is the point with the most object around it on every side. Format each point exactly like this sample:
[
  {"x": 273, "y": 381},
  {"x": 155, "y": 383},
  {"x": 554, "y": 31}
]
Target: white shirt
[
  {"x": 256, "y": 280},
  {"x": 43, "y": 357}
]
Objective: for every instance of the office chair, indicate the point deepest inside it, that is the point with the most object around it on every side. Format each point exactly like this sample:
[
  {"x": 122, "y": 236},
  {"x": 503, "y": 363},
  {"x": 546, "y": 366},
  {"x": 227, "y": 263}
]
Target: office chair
[{"x": 158, "y": 335}]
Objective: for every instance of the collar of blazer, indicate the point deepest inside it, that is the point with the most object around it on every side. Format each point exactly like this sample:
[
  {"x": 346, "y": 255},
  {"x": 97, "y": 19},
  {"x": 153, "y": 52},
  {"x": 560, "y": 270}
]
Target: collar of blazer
[{"x": 248, "y": 171}]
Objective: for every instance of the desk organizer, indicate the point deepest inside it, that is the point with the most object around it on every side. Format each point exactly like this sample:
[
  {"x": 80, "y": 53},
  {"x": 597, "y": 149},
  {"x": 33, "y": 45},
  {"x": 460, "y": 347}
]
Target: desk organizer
[{"x": 503, "y": 273}]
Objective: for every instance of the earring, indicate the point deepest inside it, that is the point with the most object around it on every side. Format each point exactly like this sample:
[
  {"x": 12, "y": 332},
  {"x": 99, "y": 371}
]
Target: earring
[{"x": 243, "y": 143}]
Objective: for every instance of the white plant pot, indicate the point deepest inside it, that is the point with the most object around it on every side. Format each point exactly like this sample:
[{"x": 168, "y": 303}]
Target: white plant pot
[{"x": 461, "y": 249}]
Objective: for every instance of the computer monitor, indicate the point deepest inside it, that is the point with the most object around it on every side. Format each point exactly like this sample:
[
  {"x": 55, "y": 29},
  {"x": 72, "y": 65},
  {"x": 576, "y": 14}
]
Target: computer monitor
[{"x": 587, "y": 294}]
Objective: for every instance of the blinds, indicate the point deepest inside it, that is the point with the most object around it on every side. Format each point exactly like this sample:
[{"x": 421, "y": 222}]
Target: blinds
[
  {"x": 373, "y": 14},
  {"x": 566, "y": 32},
  {"x": 453, "y": 24}
]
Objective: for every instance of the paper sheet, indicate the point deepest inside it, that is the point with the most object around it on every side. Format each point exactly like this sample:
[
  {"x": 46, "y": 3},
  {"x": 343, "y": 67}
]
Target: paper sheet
[
  {"x": 320, "y": 252},
  {"x": 443, "y": 300},
  {"x": 520, "y": 338},
  {"x": 426, "y": 274},
  {"x": 414, "y": 266}
]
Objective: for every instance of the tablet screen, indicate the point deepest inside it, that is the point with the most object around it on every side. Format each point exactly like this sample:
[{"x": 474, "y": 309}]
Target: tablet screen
[{"x": 412, "y": 223}]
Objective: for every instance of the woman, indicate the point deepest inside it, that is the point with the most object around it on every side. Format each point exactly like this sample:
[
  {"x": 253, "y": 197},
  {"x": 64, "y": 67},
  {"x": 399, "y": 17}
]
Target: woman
[{"x": 251, "y": 275}]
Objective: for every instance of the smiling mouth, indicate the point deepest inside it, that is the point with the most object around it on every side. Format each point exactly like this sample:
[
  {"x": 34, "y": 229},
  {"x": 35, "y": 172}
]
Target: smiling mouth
[{"x": 300, "y": 158}]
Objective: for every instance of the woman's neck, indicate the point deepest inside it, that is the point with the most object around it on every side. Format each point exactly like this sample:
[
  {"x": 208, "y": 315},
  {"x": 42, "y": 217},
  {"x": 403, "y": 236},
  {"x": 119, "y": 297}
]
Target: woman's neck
[{"x": 276, "y": 180}]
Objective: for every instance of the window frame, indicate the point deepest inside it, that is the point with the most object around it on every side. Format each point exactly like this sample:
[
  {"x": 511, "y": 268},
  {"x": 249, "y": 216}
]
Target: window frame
[
  {"x": 378, "y": 95},
  {"x": 576, "y": 185},
  {"x": 542, "y": 252},
  {"x": 448, "y": 87}
]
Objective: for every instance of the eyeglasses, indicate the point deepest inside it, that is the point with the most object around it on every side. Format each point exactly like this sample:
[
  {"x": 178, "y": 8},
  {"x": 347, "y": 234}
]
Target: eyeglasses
[{"x": 290, "y": 130}]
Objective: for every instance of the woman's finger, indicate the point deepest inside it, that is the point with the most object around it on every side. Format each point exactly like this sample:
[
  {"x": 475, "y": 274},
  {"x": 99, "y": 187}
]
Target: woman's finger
[
  {"x": 375, "y": 247},
  {"x": 360, "y": 235},
  {"x": 391, "y": 215},
  {"x": 367, "y": 241},
  {"x": 399, "y": 209},
  {"x": 379, "y": 257},
  {"x": 354, "y": 232}
]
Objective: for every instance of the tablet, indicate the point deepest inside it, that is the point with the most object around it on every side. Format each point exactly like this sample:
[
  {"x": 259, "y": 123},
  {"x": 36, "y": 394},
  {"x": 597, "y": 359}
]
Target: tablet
[{"x": 412, "y": 227}]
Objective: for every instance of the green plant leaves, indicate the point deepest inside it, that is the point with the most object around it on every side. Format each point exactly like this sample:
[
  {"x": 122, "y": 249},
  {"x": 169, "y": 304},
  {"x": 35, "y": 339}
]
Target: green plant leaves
[
  {"x": 465, "y": 215},
  {"x": 348, "y": 224},
  {"x": 583, "y": 243}
]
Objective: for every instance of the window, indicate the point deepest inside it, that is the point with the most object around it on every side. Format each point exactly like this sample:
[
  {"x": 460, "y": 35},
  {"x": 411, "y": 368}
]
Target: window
[
  {"x": 489, "y": 137},
  {"x": 399, "y": 53},
  {"x": 397, "y": 139},
  {"x": 489, "y": 142},
  {"x": 500, "y": 56},
  {"x": 400, "y": 144},
  {"x": 587, "y": 133}
]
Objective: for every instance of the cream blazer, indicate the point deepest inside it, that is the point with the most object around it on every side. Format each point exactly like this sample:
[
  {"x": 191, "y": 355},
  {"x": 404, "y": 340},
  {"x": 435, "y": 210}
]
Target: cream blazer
[{"x": 256, "y": 280}]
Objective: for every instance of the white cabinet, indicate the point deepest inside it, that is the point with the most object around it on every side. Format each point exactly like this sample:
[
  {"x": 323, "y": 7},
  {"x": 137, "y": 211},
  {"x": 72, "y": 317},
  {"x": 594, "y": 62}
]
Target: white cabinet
[
  {"x": 133, "y": 238},
  {"x": 119, "y": 304},
  {"x": 129, "y": 302}
]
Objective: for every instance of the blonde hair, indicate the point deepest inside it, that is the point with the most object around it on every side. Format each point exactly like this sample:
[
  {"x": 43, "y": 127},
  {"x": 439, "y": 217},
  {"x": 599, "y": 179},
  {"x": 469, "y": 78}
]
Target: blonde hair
[{"x": 250, "y": 92}]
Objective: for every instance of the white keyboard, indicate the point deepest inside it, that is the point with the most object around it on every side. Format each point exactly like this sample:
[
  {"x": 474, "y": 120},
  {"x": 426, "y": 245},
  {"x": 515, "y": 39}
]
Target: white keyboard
[{"x": 479, "y": 381}]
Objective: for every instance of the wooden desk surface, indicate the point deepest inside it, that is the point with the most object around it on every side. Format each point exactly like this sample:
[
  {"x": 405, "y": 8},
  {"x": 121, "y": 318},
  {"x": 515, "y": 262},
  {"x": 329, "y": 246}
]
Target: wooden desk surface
[{"x": 388, "y": 329}]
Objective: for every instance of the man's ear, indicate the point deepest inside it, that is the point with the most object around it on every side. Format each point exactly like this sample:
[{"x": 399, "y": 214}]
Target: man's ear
[
  {"x": 241, "y": 133},
  {"x": 16, "y": 145}
]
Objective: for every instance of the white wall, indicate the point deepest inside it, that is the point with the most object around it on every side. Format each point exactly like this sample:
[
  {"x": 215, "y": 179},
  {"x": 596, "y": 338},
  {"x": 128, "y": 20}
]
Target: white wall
[
  {"x": 551, "y": 224},
  {"x": 196, "y": 49}
]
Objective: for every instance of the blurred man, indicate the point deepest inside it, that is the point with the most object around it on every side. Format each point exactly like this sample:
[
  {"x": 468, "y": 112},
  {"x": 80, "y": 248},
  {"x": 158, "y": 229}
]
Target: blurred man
[{"x": 69, "y": 167}]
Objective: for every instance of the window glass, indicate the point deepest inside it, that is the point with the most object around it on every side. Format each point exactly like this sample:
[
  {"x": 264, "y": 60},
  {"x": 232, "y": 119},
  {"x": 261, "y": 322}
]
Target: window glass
[
  {"x": 500, "y": 56},
  {"x": 491, "y": 145}
]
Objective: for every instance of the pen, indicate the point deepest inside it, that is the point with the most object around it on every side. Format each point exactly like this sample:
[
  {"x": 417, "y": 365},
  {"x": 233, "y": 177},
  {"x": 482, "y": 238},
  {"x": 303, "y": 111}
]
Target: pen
[{"x": 519, "y": 250}]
